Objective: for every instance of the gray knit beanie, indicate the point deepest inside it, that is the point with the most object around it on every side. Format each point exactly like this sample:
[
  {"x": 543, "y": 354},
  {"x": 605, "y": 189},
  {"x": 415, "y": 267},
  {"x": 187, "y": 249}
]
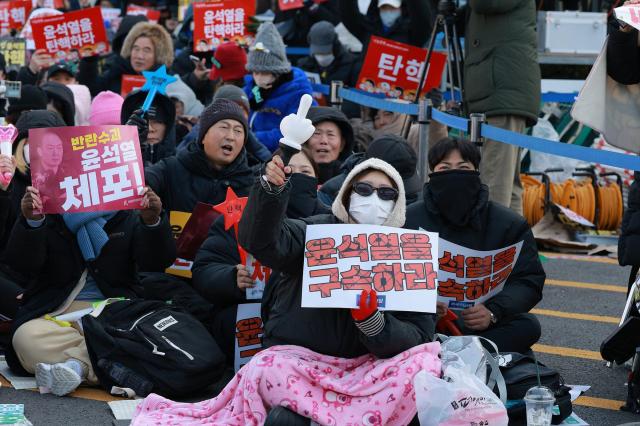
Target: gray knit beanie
[{"x": 267, "y": 53}]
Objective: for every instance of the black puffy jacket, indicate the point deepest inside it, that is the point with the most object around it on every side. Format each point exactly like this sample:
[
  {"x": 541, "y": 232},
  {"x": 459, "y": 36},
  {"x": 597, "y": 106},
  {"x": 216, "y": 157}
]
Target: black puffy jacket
[
  {"x": 491, "y": 227},
  {"x": 279, "y": 244},
  {"x": 50, "y": 257},
  {"x": 187, "y": 178},
  {"x": 413, "y": 27},
  {"x": 214, "y": 270}
]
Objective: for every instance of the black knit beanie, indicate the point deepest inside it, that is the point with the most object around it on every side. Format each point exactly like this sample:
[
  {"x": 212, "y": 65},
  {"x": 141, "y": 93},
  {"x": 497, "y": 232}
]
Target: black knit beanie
[{"x": 221, "y": 109}]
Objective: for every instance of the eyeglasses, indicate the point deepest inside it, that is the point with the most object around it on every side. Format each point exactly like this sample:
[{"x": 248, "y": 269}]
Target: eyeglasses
[{"x": 385, "y": 193}]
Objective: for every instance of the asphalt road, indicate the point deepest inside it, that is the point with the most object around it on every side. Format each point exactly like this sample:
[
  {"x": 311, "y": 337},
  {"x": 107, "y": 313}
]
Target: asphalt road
[{"x": 570, "y": 343}]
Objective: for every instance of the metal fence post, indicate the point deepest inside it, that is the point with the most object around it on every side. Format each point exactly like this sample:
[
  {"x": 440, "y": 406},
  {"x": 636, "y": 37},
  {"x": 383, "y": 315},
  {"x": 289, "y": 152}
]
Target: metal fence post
[
  {"x": 424, "y": 119},
  {"x": 475, "y": 127},
  {"x": 335, "y": 100}
]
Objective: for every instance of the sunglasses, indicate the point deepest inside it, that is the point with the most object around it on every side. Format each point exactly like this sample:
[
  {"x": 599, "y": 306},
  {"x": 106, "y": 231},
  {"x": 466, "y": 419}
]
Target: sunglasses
[{"x": 385, "y": 193}]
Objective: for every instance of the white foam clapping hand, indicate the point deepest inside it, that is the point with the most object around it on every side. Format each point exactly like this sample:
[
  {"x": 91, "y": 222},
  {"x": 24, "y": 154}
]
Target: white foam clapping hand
[{"x": 297, "y": 128}]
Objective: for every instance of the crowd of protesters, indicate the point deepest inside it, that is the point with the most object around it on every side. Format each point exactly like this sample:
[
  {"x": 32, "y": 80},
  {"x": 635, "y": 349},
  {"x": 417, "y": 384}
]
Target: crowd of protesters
[{"x": 216, "y": 129}]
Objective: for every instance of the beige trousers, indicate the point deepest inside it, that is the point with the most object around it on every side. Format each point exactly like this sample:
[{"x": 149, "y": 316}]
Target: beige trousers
[
  {"x": 500, "y": 165},
  {"x": 42, "y": 340}
]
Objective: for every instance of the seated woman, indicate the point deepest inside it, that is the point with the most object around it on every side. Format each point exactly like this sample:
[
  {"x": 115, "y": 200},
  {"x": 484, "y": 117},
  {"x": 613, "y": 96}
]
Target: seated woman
[
  {"x": 72, "y": 260},
  {"x": 456, "y": 205},
  {"x": 219, "y": 274},
  {"x": 335, "y": 366}
]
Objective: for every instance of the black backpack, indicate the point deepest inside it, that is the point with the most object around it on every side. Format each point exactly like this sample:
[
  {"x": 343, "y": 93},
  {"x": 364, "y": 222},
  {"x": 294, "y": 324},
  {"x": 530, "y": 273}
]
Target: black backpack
[{"x": 150, "y": 346}]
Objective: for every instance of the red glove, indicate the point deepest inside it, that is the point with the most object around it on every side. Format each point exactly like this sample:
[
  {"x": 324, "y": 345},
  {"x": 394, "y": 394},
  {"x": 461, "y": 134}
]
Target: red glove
[
  {"x": 447, "y": 324},
  {"x": 367, "y": 308}
]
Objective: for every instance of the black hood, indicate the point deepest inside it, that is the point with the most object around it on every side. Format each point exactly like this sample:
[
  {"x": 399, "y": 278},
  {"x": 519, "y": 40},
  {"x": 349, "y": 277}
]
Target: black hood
[
  {"x": 320, "y": 114},
  {"x": 64, "y": 95},
  {"x": 165, "y": 148},
  {"x": 194, "y": 159},
  {"x": 37, "y": 119},
  {"x": 125, "y": 26}
]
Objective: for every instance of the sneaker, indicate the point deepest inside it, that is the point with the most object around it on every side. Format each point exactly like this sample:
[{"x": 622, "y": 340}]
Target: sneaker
[{"x": 58, "y": 379}]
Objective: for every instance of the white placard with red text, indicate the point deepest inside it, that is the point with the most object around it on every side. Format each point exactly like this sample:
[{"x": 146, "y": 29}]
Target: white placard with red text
[
  {"x": 629, "y": 14},
  {"x": 249, "y": 329},
  {"x": 342, "y": 260},
  {"x": 467, "y": 277}
]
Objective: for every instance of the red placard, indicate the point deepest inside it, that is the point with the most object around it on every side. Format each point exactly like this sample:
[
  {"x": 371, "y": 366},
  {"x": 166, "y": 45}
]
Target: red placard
[
  {"x": 219, "y": 21},
  {"x": 13, "y": 15},
  {"x": 80, "y": 33},
  {"x": 395, "y": 68},
  {"x": 151, "y": 14},
  {"x": 131, "y": 82},
  {"x": 87, "y": 168},
  {"x": 290, "y": 4}
]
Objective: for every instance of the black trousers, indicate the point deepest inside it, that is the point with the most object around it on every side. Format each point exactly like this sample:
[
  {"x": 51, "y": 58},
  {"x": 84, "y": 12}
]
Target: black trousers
[{"x": 513, "y": 334}]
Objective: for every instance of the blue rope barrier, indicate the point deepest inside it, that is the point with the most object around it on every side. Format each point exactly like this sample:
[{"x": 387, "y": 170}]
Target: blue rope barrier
[
  {"x": 321, "y": 88},
  {"x": 459, "y": 123},
  {"x": 561, "y": 149},
  {"x": 367, "y": 100},
  {"x": 577, "y": 152}
]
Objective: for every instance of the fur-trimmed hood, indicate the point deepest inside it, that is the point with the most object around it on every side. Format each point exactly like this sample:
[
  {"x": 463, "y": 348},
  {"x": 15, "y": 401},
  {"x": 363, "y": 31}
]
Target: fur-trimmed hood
[
  {"x": 398, "y": 214},
  {"x": 158, "y": 35}
]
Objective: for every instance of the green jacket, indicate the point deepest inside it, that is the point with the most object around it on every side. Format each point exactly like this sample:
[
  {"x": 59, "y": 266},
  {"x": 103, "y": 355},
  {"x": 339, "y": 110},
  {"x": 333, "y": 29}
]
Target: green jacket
[{"x": 501, "y": 71}]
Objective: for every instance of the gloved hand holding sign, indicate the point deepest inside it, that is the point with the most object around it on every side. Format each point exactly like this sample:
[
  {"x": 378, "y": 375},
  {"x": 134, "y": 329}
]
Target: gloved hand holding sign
[{"x": 367, "y": 317}]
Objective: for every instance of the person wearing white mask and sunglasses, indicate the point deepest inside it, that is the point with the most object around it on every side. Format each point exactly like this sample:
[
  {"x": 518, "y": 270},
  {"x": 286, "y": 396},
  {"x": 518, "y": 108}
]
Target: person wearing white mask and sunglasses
[{"x": 373, "y": 194}]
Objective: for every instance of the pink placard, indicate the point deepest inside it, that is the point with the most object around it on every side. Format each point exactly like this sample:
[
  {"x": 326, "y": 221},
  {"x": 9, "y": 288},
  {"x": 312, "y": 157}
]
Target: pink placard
[{"x": 87, "y": 168}]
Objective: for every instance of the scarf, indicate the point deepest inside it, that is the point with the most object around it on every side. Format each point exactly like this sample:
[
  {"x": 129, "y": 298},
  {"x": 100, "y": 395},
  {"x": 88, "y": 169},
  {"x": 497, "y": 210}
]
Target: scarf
[{"x": 89, "y": 232}]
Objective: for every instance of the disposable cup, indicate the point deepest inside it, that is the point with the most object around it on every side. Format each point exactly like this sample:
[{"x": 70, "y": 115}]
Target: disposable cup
[{"x": 539, "y": 401}]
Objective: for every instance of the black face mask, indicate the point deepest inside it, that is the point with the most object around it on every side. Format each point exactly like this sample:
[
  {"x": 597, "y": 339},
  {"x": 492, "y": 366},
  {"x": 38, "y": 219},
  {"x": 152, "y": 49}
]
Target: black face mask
[
  {"x": 303, "y": 196},
  {"x": 455, "y": 193},
  {"x": 328, "y": 170}
]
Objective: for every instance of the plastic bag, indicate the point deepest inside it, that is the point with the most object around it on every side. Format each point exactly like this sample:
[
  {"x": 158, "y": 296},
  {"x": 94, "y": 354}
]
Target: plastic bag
[
  {"x": 458, "y": 399},
  {"x": 470, "y": 351}
]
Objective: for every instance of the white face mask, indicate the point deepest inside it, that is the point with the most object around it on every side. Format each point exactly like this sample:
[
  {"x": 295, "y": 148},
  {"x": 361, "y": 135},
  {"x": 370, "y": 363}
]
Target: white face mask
[
  {"x": 370, "y": 210},
  {"x": 389, "y": 17},
  {"x": 25, "y": 153},
  {"x": 264, "y": 81},
  {"x": 324, "y": 60}
]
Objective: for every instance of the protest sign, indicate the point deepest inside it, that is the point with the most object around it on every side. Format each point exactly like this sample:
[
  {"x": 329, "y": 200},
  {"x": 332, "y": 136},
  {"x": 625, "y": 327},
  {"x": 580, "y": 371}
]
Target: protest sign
[
  {"x": 342, "y": 260},
  {"x": 467, "y": 277},
  {"x": 151, "y": 14},
  {"x": 181, "y": 267},
  {"x": 290, "y": 4},
  {"x": 195, "y": 230},
  {"x": 73, "y": 35},
  {"x": 13, "y": 15},
  {"x": 219, "y": 21},
  {"x": 87, "y": 168},
  {"x": 249, "y": 329},
  {"x": 260, "y": 275},
  {"x": 629, "y": 14},
  {"x": 14, "y": 51},
  {"x": 394, "y": 69},
  {"x": 131, "y": 82},
  {"x": 27, "y": 32}
]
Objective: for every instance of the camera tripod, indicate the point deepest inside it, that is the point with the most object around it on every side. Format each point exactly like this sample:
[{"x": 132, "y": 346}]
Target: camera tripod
[{"x": 446, "y": 22}]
